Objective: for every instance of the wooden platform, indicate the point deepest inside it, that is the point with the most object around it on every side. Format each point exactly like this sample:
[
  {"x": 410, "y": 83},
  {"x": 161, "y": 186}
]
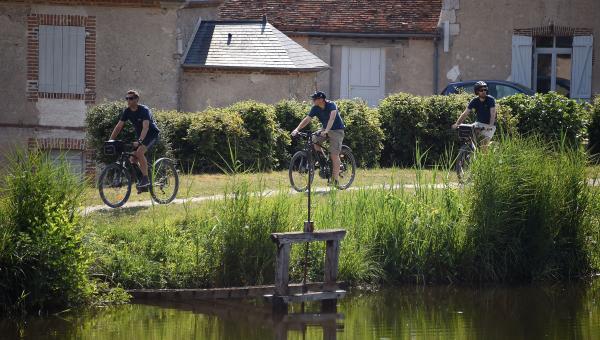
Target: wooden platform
[
  {"x": 309, "y": 296},
  {"x": 301, "y": 237},
  {"x": 221, "y": 293}
]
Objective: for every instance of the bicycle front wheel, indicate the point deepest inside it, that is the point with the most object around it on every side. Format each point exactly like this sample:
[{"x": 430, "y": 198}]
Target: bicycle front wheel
[
  {"x": 114, "y": 185},
  {"x": 299, "y": 172},
  {"x": 463, "y": 163},
  {"x": 347, "y": 168},
  {"x": 164, "y": 181}
]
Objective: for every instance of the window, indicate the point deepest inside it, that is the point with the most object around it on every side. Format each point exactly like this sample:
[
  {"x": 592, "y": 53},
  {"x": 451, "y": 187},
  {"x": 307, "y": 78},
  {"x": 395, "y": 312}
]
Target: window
[
  {"x": 552, "y": 64},
  {"x": 61, "y": 59},
  {"x": 505, "y": 91}
]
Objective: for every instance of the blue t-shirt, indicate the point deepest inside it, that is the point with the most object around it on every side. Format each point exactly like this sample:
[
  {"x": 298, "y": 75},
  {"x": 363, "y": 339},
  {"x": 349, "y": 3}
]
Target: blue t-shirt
[
  {"x": 323, "y": 115},
  {"x": 482, "y": 108},
  {"x": 137, "y": 117}
]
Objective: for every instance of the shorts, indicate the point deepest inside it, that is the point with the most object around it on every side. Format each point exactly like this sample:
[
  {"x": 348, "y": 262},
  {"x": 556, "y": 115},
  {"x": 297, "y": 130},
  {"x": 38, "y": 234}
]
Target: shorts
[
  {"x": 488, "y": 130},
  {"x": 149, "y": 141},
  {"x": 336, "y": 137}
]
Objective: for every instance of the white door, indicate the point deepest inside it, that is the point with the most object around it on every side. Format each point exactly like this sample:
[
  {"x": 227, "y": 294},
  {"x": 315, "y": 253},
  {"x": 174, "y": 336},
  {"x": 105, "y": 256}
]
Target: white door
[{"x": 363, "y": 74}]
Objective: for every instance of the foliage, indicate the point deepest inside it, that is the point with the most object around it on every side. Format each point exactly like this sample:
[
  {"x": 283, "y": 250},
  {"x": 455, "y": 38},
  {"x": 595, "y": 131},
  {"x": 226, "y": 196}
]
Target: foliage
[
  {"x": 363, "y": 133},
  {"x": 594, "y": 128},
  {"x": 43, "y": 266}
]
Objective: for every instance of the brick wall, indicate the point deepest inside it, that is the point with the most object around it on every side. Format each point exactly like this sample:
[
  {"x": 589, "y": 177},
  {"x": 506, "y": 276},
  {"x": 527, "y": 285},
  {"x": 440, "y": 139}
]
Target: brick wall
[
  {"x": 74, "y": 144},
  {"x": 33, "y": 23}
]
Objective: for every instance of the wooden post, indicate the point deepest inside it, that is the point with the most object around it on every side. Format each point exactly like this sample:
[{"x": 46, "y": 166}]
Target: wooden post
[
  {"x": 332, "y": 253},
  {"x": 282, "y": 264}
]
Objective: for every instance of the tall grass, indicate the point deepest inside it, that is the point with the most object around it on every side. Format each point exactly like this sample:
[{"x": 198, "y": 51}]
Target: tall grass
[
  {"x": 528, "y": 215},
  {"x": 531, "y": 213}
]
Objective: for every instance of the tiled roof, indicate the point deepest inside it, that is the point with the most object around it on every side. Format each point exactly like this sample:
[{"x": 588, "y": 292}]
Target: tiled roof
[
  {"x": 248, "y": 45},
  {"x": 340, "y": 16}
]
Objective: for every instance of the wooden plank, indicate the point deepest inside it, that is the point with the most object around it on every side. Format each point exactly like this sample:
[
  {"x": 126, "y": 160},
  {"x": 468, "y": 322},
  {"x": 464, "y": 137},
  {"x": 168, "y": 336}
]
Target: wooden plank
[
  {"x": 299, "y": 237},
  {"x": 310, "y": 296},
  {"x": 221, "y": 293},
  {"x": 282, "y": 266},
  {"x": 332, "y": 253}
]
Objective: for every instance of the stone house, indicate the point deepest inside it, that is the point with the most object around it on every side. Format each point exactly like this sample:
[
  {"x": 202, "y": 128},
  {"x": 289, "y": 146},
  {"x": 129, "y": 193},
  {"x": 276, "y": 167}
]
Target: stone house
[{"x": 58, "y": 57}]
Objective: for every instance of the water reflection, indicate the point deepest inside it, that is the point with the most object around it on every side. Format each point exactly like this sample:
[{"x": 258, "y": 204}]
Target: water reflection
[{"x": 558, "y": 312}]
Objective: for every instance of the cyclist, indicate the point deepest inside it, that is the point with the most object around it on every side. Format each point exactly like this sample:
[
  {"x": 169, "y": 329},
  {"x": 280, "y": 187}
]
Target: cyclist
[
  {"x": 146, "y": 130},
  {"x": 332, "y": 128},
  {"x": 484, "y": 106}
]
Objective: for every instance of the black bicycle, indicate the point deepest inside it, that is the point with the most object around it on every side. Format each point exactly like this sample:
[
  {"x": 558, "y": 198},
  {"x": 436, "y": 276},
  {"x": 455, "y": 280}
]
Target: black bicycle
[
  {"x": 305, "y": 161},
  {"x": 116, "y": 179},
  {"x": 468, "y": 137}
]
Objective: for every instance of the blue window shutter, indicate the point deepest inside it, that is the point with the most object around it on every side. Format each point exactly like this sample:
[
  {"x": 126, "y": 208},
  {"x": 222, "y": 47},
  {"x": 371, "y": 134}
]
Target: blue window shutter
[
  {"x": 581, "y": 79},
  {"x": 62, "y": 59}
]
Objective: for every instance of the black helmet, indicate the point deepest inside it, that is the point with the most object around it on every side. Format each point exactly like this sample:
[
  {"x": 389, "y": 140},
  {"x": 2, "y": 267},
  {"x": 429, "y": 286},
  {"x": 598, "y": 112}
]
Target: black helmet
[
  {"x": 479, "y": 85},
  {"x": 318, "y": 95}
]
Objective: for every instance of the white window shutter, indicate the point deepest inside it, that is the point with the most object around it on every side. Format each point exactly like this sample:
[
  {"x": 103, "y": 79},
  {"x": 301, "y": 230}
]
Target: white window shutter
[
  {"x": 522, "y": 57},
  {"x": 61, "y": 59},
  {"x": 581, "y": 79}
]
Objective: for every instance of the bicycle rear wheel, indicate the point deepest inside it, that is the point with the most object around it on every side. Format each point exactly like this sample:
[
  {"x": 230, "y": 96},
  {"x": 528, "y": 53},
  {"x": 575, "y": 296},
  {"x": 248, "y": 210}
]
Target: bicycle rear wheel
[
  {"x": 164, "y": 181},
  {"x": 114, "y": 185},
  {"x": 299, "y": 172},
  {"x": 463, "y": 163},
  {"x": 347, "y": 168}
]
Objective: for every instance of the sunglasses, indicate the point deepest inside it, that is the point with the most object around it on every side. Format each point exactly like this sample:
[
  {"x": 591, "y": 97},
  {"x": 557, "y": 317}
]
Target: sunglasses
[
  {"x": 483, "y": 90},
  {"x": 130, "y": 98}
]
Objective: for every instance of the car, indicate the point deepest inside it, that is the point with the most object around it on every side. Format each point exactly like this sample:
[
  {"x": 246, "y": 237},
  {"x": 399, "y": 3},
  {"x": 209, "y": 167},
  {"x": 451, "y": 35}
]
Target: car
[{"x": 497, "y": 88}]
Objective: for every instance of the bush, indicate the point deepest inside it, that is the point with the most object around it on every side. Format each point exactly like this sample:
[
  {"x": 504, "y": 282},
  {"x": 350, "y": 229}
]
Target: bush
[
  {"x": 363, "y": 132},
  {"x": 174, "y": 126},
  {"x": 437, "y": 137},
  {"x": 402, "y": 120},
  {"x": 42, "y": 264},
  {"x": 288, "y": 114},
  {"x": 100, "y": 121},
  {"x": 594, "y": 128},
  {"x": 535, "y": 224},
  {"x": 549, "y": 116},
  {"x": 211, "y": 136}
]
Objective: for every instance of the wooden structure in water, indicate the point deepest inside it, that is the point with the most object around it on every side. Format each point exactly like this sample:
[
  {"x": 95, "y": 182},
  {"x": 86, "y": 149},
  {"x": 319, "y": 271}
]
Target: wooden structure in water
[{"x": 330, "y": 292}]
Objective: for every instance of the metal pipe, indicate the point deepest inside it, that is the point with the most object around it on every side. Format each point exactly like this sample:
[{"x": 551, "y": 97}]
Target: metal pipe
[{"x": 436, "y": 63}]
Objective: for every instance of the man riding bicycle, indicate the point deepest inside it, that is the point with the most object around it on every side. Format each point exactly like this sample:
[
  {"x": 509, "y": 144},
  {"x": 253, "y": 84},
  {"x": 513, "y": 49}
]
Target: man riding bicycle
[
  {"x": 146, "y": 130},
  {"x": 484, "y": 106},
  {"x": 332, "y": 128}
]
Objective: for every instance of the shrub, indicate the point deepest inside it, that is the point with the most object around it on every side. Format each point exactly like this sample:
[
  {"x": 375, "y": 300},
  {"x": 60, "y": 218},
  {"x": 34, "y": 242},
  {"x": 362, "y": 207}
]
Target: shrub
[
  {"x": 402, "y": 120},
  {"x": 174, "y": 126},
  {"x": 550, "y": 116},
  {"x": 42, "y": 264},
  {"x": 528, "y": 211},
  {"x": 211, "y": 136},
  {"x": 100, "y": 121},
  {"x": 265, "y": 146},
  {"x": 363, "y": 132},
  {"x": 288, "y": 114},
  {"x": 441, "y": 112},
  {"x": 594, "y": 128}
]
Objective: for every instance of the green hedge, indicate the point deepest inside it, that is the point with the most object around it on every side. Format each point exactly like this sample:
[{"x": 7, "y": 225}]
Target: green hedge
[
  {"x": 256, "y": 135},
  {"x": 550, "y": 116},
  {"x": 594, "y": 128},
  {"x": 363, "y": 131}
]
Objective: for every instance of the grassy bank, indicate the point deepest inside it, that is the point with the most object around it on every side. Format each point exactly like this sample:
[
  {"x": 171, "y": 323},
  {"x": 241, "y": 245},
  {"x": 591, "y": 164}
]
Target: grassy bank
[{"x": 527, "y": 216}]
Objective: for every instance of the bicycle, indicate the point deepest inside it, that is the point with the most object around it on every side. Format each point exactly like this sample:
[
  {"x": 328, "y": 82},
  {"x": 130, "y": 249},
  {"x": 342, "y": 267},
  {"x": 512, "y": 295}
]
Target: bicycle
[
  {"x": 304, "y": 162},
  {"x": 467, "y": 135},
  {"x": 114, "y": 183}
]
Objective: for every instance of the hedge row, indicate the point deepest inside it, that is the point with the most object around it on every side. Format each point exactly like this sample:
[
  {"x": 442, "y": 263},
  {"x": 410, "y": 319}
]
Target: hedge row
[{"x": 256, "y": 135}]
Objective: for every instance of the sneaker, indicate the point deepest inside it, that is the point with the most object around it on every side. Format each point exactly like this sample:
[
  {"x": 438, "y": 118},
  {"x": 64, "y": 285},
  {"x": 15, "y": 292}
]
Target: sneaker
[{"x": 144, "y": 182}]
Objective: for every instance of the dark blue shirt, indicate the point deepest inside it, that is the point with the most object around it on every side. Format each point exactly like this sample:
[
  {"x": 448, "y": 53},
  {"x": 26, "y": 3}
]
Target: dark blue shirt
[
  {"x": 137, "y": 117},
  {"x": 482, "y": 108},
  {"x": 323, "y": 115}
]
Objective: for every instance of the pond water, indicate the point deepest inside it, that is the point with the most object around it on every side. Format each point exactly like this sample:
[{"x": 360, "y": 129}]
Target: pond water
[{"x": 532, "y": 312}]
